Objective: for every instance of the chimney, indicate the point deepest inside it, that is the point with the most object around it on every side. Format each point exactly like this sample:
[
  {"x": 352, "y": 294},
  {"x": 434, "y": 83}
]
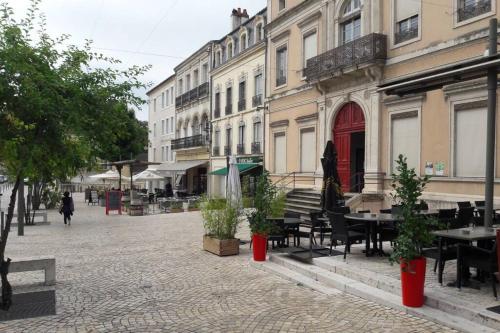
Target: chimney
[{"x": 238, "y": 17}]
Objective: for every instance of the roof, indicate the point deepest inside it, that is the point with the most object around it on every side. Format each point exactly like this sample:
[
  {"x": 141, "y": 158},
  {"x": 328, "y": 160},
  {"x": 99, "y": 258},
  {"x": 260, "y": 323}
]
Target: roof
[
  {"x": 160, "y": 84},
  {"x": 436, "y": 78},
  {"x": 195, "y": 54}
]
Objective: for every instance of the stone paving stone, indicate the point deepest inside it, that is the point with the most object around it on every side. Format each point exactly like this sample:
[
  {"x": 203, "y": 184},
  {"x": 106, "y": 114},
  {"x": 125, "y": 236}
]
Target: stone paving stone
[{"x": 149, "y": 274}]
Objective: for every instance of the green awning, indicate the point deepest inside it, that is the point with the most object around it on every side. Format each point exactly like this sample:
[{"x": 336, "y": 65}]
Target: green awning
[{"x": 242, "y": 167}]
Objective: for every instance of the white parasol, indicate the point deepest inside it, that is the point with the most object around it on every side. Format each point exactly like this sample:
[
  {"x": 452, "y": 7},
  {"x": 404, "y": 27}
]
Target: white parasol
[
  {"x": 147, "y": 175},
  {"x": 233, "y": 188},
  {"x": 110, "y": 174}
]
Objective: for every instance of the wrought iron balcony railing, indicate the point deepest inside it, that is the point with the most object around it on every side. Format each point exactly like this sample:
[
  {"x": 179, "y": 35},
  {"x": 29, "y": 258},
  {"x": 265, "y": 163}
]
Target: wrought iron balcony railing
[
  {"x": 199, "y": 140},
  {"x": 227, "y": 150},
  {"x": 216, "y": 151},
  {"x": 466, "y": 12},
  {"x": 257, "y": 100},
  {"x": 240, "y": 149},
  {"x": 256, "y": 148},
  {"x": 192, "y": 95},
  {"x": 403, "y": 36},
  {"x": 364, "y": 50},
  {"x": 242, "y": 104},
  {"x": 216, "y": 112},
  {"x": 229, "y": 109}
]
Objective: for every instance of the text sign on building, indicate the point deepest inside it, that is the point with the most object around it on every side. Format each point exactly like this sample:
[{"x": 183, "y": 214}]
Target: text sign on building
[{"x": 249, "y": 159}]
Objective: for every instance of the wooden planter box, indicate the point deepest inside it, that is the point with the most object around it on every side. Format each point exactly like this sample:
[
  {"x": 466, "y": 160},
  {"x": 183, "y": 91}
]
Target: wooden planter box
[
  {"x": 176, "y": 210},
  {"x": 226, "y": 247},
  {"x": 193, "y": 209}
]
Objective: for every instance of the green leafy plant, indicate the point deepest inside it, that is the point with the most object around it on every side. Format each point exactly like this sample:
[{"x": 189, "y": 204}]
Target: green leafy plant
[
  {"x": 176, "y": 205},
  {"x": 220, "y": 220},
  {"x": 414, "y": 229},
  {"x": 264, "y": 195},
  {"x": 51, "y": 198},
  {"x": 194, "y": 204},
  {"x": 278, "y": 204},
  {"x": 247, "y": 202}
]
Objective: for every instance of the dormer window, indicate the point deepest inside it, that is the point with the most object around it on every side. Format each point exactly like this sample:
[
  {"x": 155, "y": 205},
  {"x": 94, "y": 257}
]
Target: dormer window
[
  {"x": 259, "y": 32},
  {"x": 350, "y": 27},
  {"x": 218, "y": 58},
  {"x": 229, "y": 50},
  {"x": 243, "y": 42}
]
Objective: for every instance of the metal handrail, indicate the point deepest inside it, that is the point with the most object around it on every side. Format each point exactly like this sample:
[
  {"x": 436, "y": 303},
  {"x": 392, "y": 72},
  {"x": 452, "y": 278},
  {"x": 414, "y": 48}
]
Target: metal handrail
[
  {"x": 359, "y": 185},
  {"x": 284, "y": 178}
]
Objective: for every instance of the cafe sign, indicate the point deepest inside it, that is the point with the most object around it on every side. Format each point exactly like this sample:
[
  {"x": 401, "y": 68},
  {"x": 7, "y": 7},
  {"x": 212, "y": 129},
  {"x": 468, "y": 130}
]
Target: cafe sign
[{"x": 249, "y": 159}]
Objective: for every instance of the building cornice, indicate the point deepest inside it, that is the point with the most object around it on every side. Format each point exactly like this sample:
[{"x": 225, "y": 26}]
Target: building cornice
[
  {"x": 159, "y": 85},
  {"x": 280, "y": 123},
  {"x": 290, "y": 13},
  {"x": 261, "y": 46},
  {"x": 309, "y": 19},
  {"x": 307, "y": 118}
]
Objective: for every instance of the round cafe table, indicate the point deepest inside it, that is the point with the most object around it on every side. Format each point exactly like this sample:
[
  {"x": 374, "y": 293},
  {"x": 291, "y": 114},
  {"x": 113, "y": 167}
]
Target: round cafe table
[{"x": 372, "y": 221}]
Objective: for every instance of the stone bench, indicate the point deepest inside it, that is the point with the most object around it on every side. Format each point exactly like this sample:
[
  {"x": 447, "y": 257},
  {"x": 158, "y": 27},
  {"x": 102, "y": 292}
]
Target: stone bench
[
  {"x": 47, "y": 264},
  {"x": 37, "y": 214}
]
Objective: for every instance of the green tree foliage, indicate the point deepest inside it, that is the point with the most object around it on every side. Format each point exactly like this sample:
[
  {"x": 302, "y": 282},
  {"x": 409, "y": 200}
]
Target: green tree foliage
[
  {"x": 264, "y": 198},
  {"x": 414, "y": 230},
  {"x": 61, "y": 106}
]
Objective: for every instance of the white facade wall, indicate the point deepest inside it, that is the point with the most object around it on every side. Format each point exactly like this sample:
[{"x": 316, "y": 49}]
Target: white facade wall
[{"x": 160, "y": 113}]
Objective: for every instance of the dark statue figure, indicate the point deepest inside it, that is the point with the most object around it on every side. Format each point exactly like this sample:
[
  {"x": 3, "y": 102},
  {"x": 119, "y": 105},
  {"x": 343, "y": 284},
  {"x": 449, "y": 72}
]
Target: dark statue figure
[{"x": 6, "y": 287}]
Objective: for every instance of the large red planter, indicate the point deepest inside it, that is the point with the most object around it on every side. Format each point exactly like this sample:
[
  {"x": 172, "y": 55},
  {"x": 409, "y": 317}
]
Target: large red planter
[
  {"x": 412, "y": 282},
  {"x": 259, "y": 244}
]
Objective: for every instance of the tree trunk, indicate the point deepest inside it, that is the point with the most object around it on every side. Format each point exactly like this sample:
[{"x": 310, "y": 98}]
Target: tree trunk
[
  {"x": 38, "y": 187},
  {"x": 21, "y": 209},
  {"x": 4, "y": 264},
  {"x": 29, "y": 201}
]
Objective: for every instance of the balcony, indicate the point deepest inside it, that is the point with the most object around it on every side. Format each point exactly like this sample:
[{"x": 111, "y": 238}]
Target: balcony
[
  {"x": 216, "y": 151},
  {"x": 368, "y": 49},
  {"x": 227, "y": 150},
  {"x": 240, "y": 149},
  {"x": 189, "y": 142},
  {"x": 229, "y": 109},
  {"x": 256, "y": 148},
  {"x": 242, "y": 104},
  {"x": 257, "y": 100},
  {"x": 403, "y": 36},
  {"x": 217, "y": 112},
  {"x": 466, "y": 12},
  {"x": 192, "y": 95}
]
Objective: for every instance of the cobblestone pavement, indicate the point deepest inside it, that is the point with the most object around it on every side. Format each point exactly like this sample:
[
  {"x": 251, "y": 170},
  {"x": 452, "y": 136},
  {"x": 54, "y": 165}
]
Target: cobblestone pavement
[{"x": 149, "y": 274}]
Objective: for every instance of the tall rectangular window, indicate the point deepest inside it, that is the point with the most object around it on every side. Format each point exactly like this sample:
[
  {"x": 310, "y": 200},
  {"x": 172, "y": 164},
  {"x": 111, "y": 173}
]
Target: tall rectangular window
[
  {"x": 308, "y": 150},
  {"x": 217, "y": 105},
  {"x": 154, "y": 154},
  {"x": 281, "y": 66},
  {"x": 154, "y": 105},
  {"x": 171, "y": 124},
  {"x": 351, "y": 29},
  {"x": 162, "y": 154},
  {"x": 241, "y": 134},
  {"x": 204, "y": 73},
  {"x": 280, "y": 153},
  {"x": 310, "y": 47},
  {"x": 229, "y": 100},
  {"x": 242, "y": 90},
  {"x": 242, "y": 96},
  {"x": 163, "y": 127},
  {"x": 259, "y": 88},
  {"x": 217, "y": 138},
  {"x": 405, "y": 139},
  {"x": 166, "y": 153},
  {"x": 195, "y": 78},
  {"x": 406, "y": 17},
  {"x": 188, "y": 82},
  {"x": 167, "y": 97},
  {"x": 167, "y": 128},
  {"x": 180, "y": 87},
  {"x": 172, "y": 94},
  {"x": 257, "y": 129},
  {"x": 162, "y": 99},
  {"x": 154, "y": 130},
  {"x": 470, "y": 143},
  {"x": 281, "y": 4}
]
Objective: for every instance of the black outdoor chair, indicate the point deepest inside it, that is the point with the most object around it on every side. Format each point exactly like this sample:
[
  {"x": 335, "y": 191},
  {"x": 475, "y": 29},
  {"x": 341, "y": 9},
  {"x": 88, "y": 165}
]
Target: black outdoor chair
[
  {"x": 278, "y": 235},
  {"x": 463, "y": 204},
  {"x": 448, "y": 247},
  {"x": 484, "y": 260},
  {"x": 465, "y": 217},
  {"x": 422, "y": 205},
  {"x": 481, "y": 203},
  {"x": 294, "y": 232},
  {"x": 341, "y": 232},
  {"x": 386, "y": 211}
]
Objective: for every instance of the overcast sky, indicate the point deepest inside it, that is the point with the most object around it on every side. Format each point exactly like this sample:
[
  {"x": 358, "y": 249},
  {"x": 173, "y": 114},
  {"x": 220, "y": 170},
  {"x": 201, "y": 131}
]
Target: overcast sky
[{"x": 157, "y": 32}]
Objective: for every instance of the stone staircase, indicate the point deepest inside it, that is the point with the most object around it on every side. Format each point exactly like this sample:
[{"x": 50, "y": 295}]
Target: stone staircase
[{"x": 304, "y": 201}]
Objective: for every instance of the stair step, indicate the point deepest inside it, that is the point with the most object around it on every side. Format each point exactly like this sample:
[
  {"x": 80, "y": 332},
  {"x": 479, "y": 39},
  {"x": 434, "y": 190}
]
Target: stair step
[
  {"x": 458, "y": 315},
  {"x": 307, "y": 208},
  {"x": 312, "y": 202}
]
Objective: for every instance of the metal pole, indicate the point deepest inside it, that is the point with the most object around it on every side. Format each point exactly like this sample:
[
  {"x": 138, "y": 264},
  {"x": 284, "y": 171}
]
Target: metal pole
[
  {"x": 20, "y": 208},
  {"x": 490, "y": 130},
  {"x": 227, "y": 171}
]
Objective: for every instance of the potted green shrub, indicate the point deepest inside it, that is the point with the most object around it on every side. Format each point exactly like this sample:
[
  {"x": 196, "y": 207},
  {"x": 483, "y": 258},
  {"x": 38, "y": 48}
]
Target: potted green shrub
[
  {"x": 220, "y": 222},
  {"x": 414, "y": 232},
  {"x": 176, "y": 207},
  {"x": 260, "y": 226}
]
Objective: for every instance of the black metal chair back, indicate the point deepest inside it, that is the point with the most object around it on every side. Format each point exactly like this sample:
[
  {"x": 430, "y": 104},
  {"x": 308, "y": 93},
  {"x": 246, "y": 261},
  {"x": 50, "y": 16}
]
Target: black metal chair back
[
  {"x": 396, "y": 209},
  {"x": 423, "y": 205},
  {"x": 314, "y": 219},
  {"x": 364, "y": 211},
  {"x": 386, "y": 211},
  {"x": 339, "y": 224},
  {"x": 464, "y": 217},
  {"x": 342, "y": 210},
  {"x": 480, "y": 203},
  {"x": 463, "y": 204}
]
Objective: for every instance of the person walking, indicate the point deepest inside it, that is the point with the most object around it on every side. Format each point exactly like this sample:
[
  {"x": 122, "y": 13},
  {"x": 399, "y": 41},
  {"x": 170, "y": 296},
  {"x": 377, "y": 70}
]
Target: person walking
[{"x": 67, "y": 208}]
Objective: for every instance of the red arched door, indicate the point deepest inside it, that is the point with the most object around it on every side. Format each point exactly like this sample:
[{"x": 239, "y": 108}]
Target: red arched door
[{"x": 348, "y": 137}]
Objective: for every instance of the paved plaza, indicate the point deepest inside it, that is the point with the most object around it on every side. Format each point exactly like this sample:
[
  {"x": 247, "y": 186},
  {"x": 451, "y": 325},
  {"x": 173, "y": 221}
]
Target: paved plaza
[{"x": 149, "y": 274}]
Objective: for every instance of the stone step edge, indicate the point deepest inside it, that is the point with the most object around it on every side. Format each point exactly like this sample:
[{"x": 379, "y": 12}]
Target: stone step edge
[
  {"x": 434, "y": 299},
  {"x": 377, "y": 296}
]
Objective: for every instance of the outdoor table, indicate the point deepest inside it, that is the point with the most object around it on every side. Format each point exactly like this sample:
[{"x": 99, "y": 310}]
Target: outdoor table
[
  {"x": 372, "y": 221},
  {"x": 469, "y": 235}
]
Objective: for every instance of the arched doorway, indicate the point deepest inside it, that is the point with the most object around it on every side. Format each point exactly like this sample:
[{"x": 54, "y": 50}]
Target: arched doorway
[{"x": 349, "y": 140}]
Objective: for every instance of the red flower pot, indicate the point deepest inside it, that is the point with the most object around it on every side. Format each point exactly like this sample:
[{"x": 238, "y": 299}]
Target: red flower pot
[
  {"x": 259, "y": 245},
  {"x": 412, "y": 282}
]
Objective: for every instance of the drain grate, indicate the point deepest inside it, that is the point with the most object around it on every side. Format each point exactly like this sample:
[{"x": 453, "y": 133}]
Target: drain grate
[
  {"x": 495, "y": 309},
  {"x": 29, "y": 305}
]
